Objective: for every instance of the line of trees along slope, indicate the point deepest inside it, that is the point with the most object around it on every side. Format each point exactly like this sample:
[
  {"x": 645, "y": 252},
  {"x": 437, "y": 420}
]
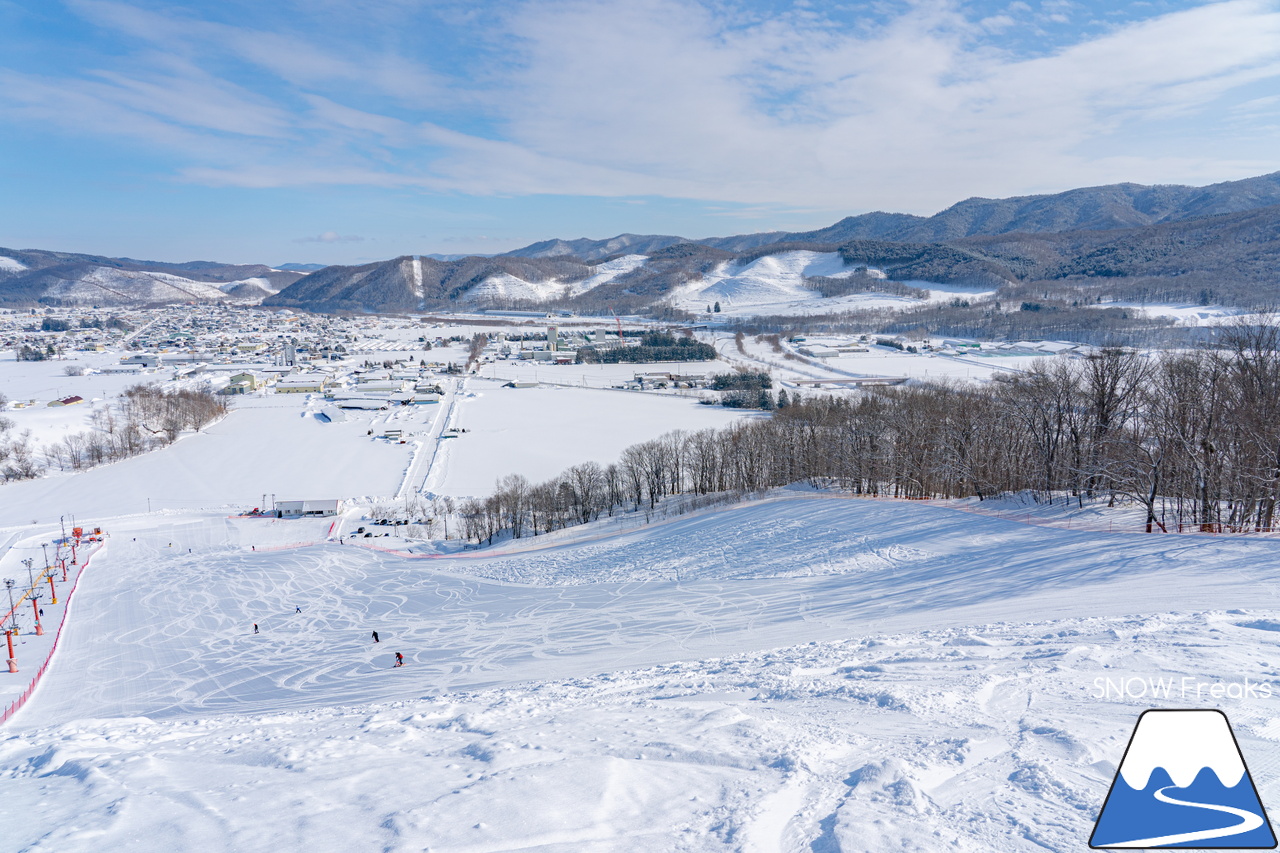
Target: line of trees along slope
[
  {"x": 1194, "y": 437},
  {"x": 146, "y": 418}
]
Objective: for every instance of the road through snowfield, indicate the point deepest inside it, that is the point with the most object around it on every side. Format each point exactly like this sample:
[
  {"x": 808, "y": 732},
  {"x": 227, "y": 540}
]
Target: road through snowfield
[{"x": 792, "y": 675}]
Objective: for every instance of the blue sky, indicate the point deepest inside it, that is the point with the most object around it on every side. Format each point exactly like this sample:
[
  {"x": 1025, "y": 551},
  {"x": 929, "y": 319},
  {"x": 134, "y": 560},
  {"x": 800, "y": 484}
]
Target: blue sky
[{"x": 341, "y": 131}]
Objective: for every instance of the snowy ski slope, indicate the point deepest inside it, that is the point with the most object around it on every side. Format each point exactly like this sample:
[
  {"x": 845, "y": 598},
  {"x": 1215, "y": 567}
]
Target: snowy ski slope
[{"x": 801, "y": 674}]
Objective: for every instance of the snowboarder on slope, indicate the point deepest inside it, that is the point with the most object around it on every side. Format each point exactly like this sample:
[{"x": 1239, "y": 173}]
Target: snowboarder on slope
[
  {"x": 375, "y": 637},
  {"x": 399, "y": 659},
  {"x": 255, "y": 627}
]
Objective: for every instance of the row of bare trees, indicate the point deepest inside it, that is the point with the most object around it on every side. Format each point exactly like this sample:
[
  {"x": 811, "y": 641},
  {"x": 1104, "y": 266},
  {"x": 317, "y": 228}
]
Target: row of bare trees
[
  {"x": 146, "y": 417},
  {"x": 17, "y": 457},
  {"x": 1192, "y": 436}
]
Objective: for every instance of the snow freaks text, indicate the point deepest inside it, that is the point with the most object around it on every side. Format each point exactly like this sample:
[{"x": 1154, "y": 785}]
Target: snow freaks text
[{"x": 1184, "y": 687}]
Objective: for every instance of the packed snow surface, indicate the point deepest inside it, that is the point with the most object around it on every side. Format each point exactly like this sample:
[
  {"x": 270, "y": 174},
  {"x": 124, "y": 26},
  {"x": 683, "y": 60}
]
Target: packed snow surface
[
  {"x": 771, "y": 279},
  {"x": 800, "y": 674},
  {"x": 505, "y": 286},
  {"x": 607, "y": 272},
  {"x": 12, "y": 264}
]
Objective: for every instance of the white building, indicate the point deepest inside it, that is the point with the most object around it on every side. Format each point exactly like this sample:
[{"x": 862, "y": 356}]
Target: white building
[{"x": 308, "y": 509}]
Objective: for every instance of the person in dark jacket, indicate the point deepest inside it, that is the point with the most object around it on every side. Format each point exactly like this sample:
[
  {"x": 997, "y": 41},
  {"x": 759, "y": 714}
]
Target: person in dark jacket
[
  {"x": 375, "y": 637},
  {"x": 399, "y": 659}
]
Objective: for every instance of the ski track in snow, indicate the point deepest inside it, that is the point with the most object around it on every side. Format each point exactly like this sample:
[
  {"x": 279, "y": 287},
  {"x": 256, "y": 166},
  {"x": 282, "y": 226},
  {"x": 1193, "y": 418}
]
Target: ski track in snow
[{"x": 795, "y": 675}]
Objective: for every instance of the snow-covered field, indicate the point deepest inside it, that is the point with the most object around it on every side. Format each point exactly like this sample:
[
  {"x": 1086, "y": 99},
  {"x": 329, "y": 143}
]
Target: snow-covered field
[
  {"x": 271, "y": 445},
  {"x": 593, "y": 375},
  {"x": 930, "y": 366},
  {"x": 539, "y": 432},
  {"x": 37, "y": 383},
  {"x": 1186, "y": 314}
]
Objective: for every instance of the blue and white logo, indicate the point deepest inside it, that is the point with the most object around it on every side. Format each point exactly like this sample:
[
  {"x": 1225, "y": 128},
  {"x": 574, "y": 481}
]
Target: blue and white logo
[{"x": 1183, "y": 783}]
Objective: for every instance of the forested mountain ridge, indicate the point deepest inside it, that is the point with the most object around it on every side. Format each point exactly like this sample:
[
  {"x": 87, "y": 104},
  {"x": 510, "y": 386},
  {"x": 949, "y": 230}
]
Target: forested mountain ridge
[{"x": 1086, "y": 209}]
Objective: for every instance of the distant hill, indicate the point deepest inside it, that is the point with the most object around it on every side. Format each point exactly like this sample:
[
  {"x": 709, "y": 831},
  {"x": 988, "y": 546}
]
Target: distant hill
[
  {"x": 592, "y": 250},
  {"x": 32, "y": 276}
]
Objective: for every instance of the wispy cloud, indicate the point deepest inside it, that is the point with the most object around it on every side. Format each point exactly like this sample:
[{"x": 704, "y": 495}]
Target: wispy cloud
[
  {"x": 683, "y": 99},
  {"x": 330, "y": 237}
]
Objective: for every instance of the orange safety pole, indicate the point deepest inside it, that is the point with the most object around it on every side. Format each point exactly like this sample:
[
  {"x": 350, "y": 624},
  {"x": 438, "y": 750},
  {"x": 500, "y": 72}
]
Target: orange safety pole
[
  {"x": 64, "y": 569},
  {"x": 53, "y": 590},
  {"x": 35, "y": 607},
  {"x": 13, "y": 663}
]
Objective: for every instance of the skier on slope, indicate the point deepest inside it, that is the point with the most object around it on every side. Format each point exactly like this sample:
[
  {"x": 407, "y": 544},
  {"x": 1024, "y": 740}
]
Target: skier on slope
[
  {"x": 375, "y": 637},
  {"x": 399, "y": 659},
  {"x": 255, "y": 627}
]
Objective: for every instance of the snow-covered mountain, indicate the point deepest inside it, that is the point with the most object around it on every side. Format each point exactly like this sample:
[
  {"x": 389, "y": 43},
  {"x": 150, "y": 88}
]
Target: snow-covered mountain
[
  {"x": 60, "y": 278},
  {"x": 1209, "y": 245}
]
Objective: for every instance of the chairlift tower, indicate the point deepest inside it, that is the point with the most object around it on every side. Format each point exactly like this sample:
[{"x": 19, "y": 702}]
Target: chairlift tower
[{"x": 13, "y": 613}]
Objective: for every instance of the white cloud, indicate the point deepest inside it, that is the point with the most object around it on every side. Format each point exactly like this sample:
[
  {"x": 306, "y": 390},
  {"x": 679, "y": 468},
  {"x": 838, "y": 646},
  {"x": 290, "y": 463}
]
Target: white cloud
[{"x": 667, "y": 98}]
